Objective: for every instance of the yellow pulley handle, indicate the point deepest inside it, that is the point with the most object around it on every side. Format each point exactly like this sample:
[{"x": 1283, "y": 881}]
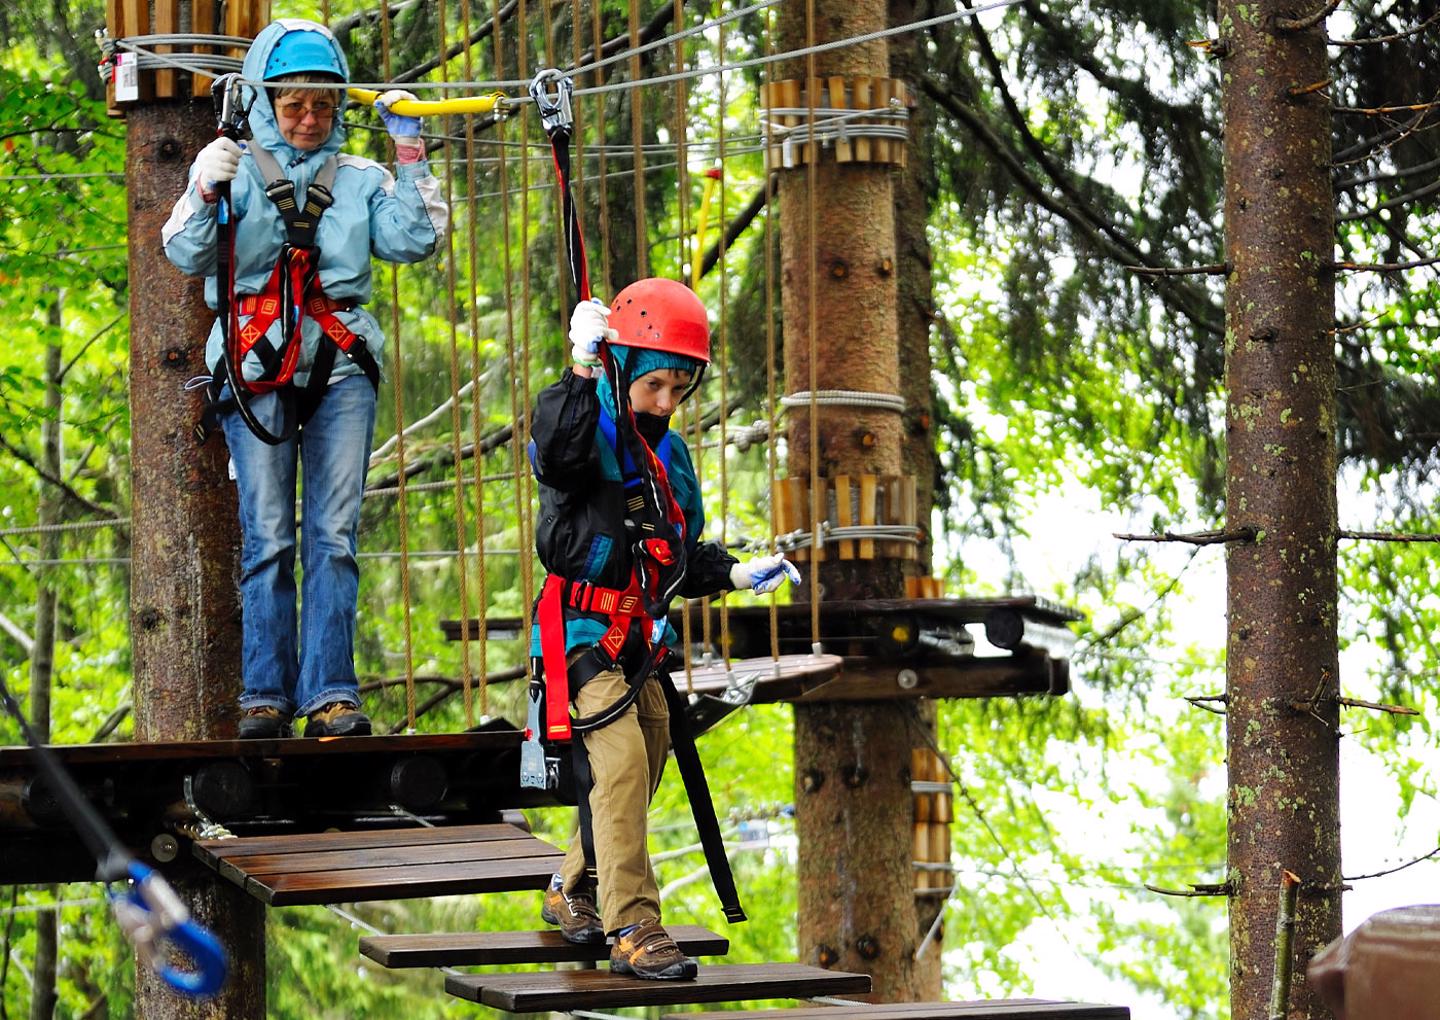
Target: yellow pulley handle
[
  {"x": 712, "y": 178},
  {"x": 493, "y": 103}
]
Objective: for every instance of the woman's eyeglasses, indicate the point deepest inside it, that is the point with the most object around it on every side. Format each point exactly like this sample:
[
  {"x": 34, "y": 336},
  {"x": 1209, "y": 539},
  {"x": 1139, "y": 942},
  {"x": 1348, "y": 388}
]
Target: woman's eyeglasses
[{"x": 296, "y": 110}]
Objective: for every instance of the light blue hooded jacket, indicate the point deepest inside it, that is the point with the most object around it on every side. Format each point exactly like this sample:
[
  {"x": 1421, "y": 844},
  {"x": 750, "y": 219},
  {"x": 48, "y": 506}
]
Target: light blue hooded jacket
[{"x": 396, "y": 218}]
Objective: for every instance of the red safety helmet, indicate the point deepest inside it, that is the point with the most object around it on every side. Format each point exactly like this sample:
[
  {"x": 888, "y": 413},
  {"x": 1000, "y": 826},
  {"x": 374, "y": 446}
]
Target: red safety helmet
[{"x": 662, "y": 315}]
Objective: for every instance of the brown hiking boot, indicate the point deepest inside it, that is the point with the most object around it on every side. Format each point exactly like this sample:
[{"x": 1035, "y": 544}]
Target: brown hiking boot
[
  {"x": 263, "y": 723},
  {"x": 338, "y": 719},
  {"x": 646, "y": 950},
  {"x": 575, "y": 913}
]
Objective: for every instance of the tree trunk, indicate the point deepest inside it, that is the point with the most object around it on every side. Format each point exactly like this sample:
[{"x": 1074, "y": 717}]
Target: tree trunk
[
  {"x": 915, "y": 191},
  {"x": 1282, "y": 660},
  {"x": 185, "y": 613},
  {"x": 42, "y": 658},
  {"x": 853, "y": 802}
]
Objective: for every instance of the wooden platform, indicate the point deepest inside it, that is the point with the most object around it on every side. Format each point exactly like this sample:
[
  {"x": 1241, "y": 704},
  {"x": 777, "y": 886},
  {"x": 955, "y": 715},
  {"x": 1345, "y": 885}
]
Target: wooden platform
[
  {"x": 600, "y": 989},
  {"x": 473, "y": 949},
  {"x": 339, "y": 867},
  {"x": 994, "y": 1009}
]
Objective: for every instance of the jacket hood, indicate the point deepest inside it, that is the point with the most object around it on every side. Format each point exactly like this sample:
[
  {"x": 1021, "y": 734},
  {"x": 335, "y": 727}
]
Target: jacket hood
[{"x": 263, "y": 126}]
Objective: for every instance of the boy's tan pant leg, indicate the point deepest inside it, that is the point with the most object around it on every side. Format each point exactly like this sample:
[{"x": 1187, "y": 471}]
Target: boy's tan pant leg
[{"x": 627, "y": 759}]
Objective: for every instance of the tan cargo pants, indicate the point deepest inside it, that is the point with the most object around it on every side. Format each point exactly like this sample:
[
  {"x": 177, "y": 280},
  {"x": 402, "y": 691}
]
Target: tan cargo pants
[{"x": 627, "y": 758}]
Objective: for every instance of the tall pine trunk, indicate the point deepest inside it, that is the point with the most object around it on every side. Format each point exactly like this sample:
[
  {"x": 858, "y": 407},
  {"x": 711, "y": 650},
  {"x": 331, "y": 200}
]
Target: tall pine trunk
[
  {"x": 1282, "y": 659},
  {"x": 42, "y": 657},
  {"x": 853, "y": 801}
]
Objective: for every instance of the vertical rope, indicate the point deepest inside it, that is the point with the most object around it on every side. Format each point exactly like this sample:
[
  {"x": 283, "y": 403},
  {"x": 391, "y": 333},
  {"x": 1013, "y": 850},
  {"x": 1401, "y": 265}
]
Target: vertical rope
[
  {"x": 521, "y": 439},
  {"x": 397, "y": 379},
  {"x": 724, "y": 359},
  {"x": 462, "y": 528},
  {"x": 477, "y": 461},
  {"x": 564, "y": 299},
  {"x": 682, "y": 209},
  {"x": 812, "y": 177},
  {"x": 637, "y": 110},
  {"x": 772, "y": 454},
  {"x": 596, "y": 45},
  {"x": 579, "y": 136}
]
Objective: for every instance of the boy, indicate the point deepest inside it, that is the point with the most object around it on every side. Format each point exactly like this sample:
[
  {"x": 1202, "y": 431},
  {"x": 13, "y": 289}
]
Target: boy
[{"x": 620, "y": 515}]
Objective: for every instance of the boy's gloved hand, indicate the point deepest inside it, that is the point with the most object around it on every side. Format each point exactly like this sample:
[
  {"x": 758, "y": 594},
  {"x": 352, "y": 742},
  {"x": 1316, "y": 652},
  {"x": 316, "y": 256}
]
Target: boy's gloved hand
[
  {"x": 764, "y": 574},
  {"x": 409, "y": 148},
  {"x": 589, "y": 324},
  {"x": 218, "y": 162}
]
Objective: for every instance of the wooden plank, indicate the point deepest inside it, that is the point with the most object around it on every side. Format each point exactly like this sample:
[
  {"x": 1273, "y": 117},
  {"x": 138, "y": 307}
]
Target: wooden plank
[
  {"x": 167, "y": 22},
  {"x": 226, "y": 849},
  {"x": 998, "y": 1009},
  {"x": 867, "y": 513},
  {"x": 844, "y": 153},
  {"x": 882, "y": 102},
  {"x": 902, "y": 93},
  {"x": 406, "y": 883},
  {"x": 157, "y": 751},
  {"x": 844, "y": 514},
  {"x": 475, "y": 949},
  {"x": 790, "y": 97},
  {"x": 862, "y": 94},
  {"x": 601, "y": 989},
  {"x": 263, "y": 866},
  {"x": 971, "y": 678},
  {"x": 202, "y": 20}
]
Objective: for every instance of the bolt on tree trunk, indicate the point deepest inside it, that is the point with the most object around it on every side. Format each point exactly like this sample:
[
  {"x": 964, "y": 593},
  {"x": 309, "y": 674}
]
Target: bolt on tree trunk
[
  {"x": 184, "y": 602},
  {"x": 853, "y": 803},
  {"x": 1282, "y": 659}
]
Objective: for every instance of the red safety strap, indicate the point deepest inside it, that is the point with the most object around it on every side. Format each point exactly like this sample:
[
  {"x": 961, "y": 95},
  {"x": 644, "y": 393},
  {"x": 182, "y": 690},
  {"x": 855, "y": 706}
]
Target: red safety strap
[
  {"x": 264, "y": 308},
  {"x": 623, "y": 607}
]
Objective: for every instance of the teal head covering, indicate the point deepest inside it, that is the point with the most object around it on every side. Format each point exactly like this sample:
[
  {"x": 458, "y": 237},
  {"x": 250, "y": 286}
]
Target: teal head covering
[{"x": 638, "y": 361}]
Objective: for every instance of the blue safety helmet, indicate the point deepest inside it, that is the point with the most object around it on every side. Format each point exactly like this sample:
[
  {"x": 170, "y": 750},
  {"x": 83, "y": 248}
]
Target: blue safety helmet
[{"x": 303, "y": 51}]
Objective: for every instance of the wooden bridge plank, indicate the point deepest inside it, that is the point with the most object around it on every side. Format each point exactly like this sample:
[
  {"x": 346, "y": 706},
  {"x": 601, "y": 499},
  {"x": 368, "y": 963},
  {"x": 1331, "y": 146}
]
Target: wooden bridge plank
[
  {"x": 467, "y": 949},
  {"x": 266, "y": 865},
  {"x": 529, "y": 872},
  {"x": 358, "y": 839},
  {"x": 601, "y": 989},
  {"x": 998, "y": 1009}
]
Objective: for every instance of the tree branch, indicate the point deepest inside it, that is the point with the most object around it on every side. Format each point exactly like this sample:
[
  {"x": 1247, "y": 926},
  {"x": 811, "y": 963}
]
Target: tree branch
[
  {"x": 1394, "y": 203},
  {"x": 1217, "y": 889},
  {"x": 1388, "y": 536},
  {"x": 1203, "y": 701},
  {"x": 736, "y": 227},
  {"x": 1391, "y": 871},
  {"x": 59, "y": 483},
  {"x": 1246, "y": 533},
  {"x": 1215, "y": 269},
  {"x": 1384, "y": 267},
  {"x": 1284, "y": 943},
  {"x": 944, "y": 97},
  {"x": 1393, "y": 37},
  {"x": 1309, "y": 20},
  {"x": 25, "y": 641}
]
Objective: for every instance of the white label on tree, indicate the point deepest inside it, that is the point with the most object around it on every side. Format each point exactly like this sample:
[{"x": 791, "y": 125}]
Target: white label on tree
[{"x": 127, "y": 77}]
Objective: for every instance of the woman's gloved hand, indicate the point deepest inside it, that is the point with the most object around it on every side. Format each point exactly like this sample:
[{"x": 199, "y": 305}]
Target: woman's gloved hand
[
  {"x": 589, "y": 324},
  {"x": 217, "y": 163},
  {"x": 764, "y": 574},
  {"x": 409, "y": 148}
]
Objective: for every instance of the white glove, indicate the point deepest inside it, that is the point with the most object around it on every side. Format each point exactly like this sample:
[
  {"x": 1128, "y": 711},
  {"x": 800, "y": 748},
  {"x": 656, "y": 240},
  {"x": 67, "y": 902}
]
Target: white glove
[
  {"x": 589, "y": 324},
  {"x": 764, "y": 574},
  {"x": 218, "y": 162}
]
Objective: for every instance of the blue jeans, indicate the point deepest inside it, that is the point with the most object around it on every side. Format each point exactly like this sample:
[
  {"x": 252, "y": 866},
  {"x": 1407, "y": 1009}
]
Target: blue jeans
[{"x": 301, "y": 662}]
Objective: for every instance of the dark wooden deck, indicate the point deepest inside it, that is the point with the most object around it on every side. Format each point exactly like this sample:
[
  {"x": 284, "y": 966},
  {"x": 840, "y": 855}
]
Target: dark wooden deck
[
  {"x": 339, "y": 867},
  {"x": 474, "y": 949},
  {"x": 994, "y": 1009},
  {"x": 562, "y": 991}
]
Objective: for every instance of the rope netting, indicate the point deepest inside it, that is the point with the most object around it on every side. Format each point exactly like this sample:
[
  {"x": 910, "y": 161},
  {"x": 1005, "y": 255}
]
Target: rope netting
[{"x": 715, "y": 142}]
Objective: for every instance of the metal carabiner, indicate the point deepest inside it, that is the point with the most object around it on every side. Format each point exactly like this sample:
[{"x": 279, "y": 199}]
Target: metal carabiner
[
  {"x": 232, "y": 118},
  {"x": 554, "y": 107},
  {"x": 151, "y": 916}
]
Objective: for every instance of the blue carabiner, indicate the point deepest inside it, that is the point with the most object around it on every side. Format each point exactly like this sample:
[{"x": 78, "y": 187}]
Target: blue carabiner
[{"x": 152, "y": 916}]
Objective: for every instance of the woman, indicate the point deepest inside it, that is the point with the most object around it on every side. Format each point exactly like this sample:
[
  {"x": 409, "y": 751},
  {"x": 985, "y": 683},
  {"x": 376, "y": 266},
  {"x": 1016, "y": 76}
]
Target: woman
[{"x": 298, "y": 659}]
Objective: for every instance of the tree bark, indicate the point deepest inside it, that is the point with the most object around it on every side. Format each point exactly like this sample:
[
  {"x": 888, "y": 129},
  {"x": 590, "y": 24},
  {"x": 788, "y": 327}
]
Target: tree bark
[
  {"x": 1282, "y": 672},
  {"x": 853, "y": 802},
  {"x": 42, "y": 657},
  {"x": 185, "y": 612},
  {"x": 915, "y": 191}
]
